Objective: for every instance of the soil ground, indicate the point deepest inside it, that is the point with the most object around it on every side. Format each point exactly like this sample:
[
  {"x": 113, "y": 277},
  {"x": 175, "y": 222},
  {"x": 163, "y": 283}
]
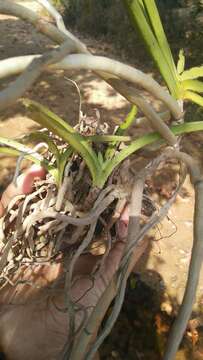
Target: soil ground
[{"x": 156, "y": 289}]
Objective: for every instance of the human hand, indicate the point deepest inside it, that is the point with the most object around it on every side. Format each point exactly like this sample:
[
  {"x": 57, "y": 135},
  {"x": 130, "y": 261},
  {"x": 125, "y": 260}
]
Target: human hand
[{"x": 32, "y": 326}]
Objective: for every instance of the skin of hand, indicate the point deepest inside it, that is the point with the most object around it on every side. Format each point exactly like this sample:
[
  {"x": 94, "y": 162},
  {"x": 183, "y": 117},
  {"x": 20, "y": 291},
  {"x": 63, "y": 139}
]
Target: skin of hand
[{"x": 33, "y": 322}]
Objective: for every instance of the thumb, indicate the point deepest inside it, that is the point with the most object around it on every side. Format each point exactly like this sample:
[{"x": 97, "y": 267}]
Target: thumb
[{"x": 23, "y": 186}]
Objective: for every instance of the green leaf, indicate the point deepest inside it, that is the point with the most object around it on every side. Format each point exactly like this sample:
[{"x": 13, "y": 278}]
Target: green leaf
[
  {"x": 158, "y": 30},
  {"x": 109, "y": 165},
  {"x": 127, "y": 122},
  {"x": 39, "y": 136},
  {"x": 22, "y": 149},
  {"x": 9, "y": 151},
  {"x": 16, "y": 149},
  {"x": 181, "y": 62},
  {"x": 147, "y": 140},
  {"x": 108, "y": 138},
  {"x": 63, "y": 159},
  {"x": 30, "y": 104},
  {"x": 59, "y": 127},
  {"x": 192, "y": 73},
  {"x": 56, "y": 123},
  {"x": 197, "y": 99},
  {"x": 100, "y": 159},
  {"x": 145, "y": 17},
  {"x": 142, "y": 5},
  {"x": 120, "y": 131},
  {"x": 194, "y": 85}
]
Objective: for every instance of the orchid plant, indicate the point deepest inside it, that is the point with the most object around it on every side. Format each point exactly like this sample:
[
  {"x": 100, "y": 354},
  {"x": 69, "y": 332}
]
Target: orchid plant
[{"x": 182, "y": 84}]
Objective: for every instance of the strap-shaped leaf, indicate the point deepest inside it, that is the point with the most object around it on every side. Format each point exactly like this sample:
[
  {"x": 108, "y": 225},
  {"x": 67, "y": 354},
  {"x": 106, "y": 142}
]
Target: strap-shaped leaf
[
  {"x": 120, "y": 131},
  {"x": 40, "y": 136},
  {"x": 63, "y": 159},
  {"x": 109, "y": 138},
  {"x": 100, "y": 159},
  {"x": 159, "y": 33},
  {"x": 142, "y": 17},
  {"x": 14, "y": 148},
  {"x": 13, "y": 152},
  {"x": 21, "y": 148},
  {"x": 59, "y": 127},
  {"x": 197, "y": 99},
  {"x": 147, "y": 140},
  {"x": 194, "y": 85},
  {"x": 55, "y": 120},
  {"x": 192, "y": 73},
  {"x": 141, "y": 2}
]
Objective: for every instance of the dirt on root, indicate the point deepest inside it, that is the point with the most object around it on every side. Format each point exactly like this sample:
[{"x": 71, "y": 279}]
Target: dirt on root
[{"x": 157, "y": 287}]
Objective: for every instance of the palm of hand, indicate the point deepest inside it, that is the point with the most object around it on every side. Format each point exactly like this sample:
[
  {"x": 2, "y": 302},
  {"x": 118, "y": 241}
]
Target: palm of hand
[{"x": 33, "y": 321}]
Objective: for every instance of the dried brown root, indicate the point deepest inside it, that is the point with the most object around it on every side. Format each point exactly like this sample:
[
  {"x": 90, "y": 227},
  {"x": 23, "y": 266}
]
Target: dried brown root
[
  {"x": 37, "y": 227},
  {"x": 37, "y": 233}
]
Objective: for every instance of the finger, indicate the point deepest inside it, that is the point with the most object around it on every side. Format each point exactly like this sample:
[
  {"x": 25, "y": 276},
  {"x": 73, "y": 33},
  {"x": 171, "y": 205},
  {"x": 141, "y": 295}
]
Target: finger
[{"x": 24, "y": 186}]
